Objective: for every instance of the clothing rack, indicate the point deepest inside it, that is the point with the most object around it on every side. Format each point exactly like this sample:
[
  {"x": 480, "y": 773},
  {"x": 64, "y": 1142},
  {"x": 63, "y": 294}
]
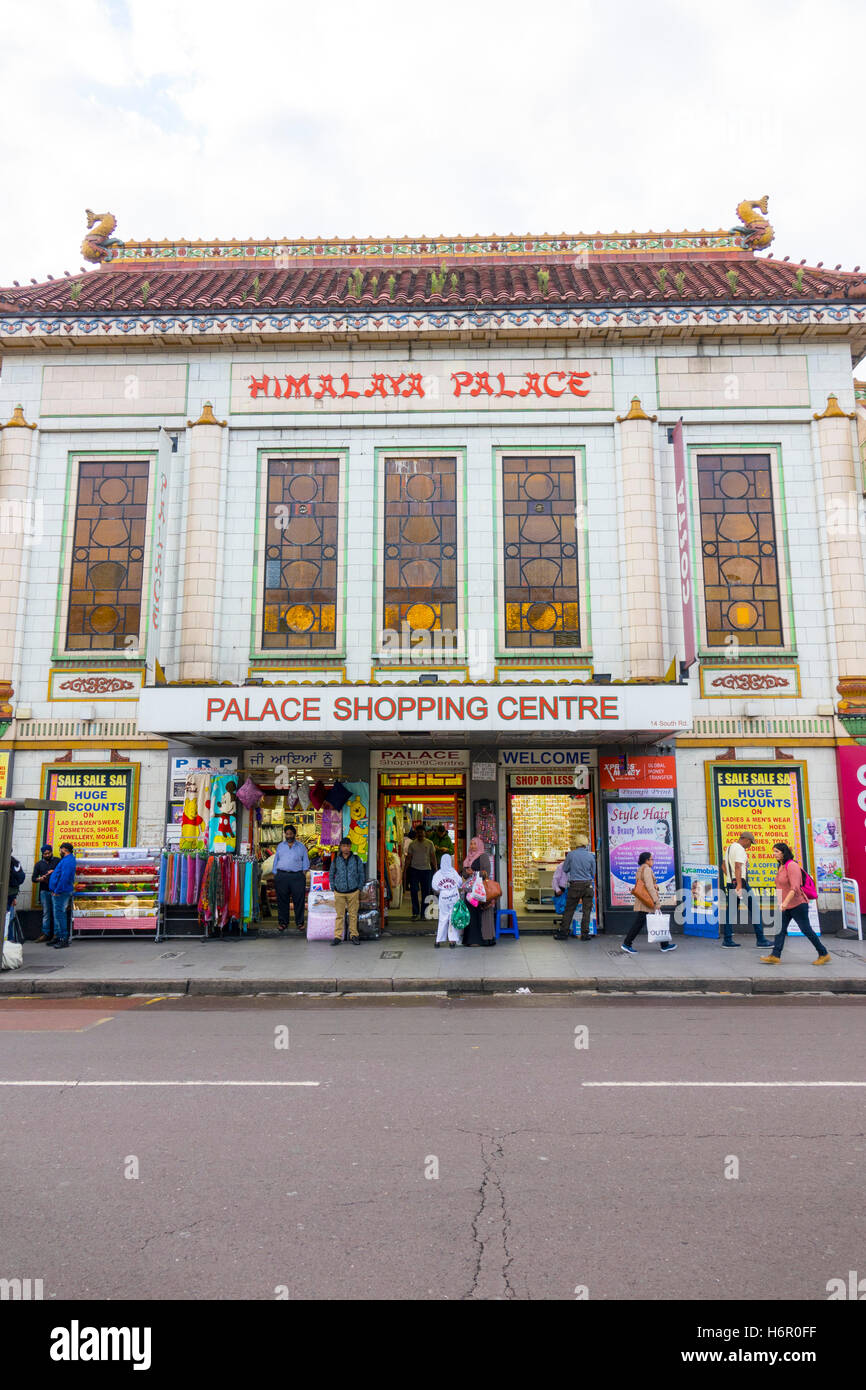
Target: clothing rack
[{"x": 223, "y": 890}]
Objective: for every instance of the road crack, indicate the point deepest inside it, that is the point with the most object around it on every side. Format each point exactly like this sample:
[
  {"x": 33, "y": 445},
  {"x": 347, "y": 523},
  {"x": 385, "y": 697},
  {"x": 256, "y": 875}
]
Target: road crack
[
  {"x": 161, "y": 1235},
  {"x": 491, "y": 1228}
]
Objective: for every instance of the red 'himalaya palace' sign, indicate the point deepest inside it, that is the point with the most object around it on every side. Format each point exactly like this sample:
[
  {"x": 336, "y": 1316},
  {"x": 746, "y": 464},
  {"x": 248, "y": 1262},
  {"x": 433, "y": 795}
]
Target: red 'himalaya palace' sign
[{"x": 516, "y": 384}]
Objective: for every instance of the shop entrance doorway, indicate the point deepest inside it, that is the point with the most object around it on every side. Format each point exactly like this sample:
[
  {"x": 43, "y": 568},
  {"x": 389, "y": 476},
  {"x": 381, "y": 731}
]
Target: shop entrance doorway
[
  {"x": 406, "y": 801},
  {"x": 542, "y": 826}
]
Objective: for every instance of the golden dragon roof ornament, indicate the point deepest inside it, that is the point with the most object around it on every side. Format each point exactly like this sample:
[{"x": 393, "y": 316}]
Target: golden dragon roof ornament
[
  {"x": 758, "y": 232},
  {"x": 98, "y": 243}
]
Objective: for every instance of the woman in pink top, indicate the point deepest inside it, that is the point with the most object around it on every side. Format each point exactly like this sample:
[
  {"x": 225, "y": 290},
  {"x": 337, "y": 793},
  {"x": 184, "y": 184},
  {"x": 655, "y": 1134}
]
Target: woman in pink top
[{"x": 794, "y": 905}]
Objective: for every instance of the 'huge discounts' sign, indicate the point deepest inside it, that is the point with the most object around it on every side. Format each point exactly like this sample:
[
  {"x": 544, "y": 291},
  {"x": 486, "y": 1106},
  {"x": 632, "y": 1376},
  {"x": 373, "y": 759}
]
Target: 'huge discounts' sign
[{"x": 100, "y": 803}]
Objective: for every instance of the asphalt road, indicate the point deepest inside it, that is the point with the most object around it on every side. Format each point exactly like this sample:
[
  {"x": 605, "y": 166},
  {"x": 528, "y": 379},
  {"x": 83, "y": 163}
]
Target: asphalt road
[{"x": 545, "y": 1185}]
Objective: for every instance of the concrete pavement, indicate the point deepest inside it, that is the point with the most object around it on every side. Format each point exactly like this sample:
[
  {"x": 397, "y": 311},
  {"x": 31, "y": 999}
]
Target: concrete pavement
[{"x": 291, "y": 964}]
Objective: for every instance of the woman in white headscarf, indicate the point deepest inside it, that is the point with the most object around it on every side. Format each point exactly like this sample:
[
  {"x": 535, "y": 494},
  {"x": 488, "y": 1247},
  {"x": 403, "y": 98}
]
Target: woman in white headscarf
[{"x": 447, "y": 883}]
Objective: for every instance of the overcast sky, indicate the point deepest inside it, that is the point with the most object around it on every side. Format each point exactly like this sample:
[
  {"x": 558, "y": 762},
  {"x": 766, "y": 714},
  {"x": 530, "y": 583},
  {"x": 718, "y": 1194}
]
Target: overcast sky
[{"x": 209, "y": 119}]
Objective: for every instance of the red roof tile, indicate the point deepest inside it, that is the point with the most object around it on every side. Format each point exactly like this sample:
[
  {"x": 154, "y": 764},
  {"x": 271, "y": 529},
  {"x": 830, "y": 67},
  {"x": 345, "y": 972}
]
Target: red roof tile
[{"x": 607, "y": 282}]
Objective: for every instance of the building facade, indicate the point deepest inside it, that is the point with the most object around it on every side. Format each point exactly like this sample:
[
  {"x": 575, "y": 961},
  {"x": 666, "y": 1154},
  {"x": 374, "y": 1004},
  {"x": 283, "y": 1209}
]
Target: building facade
[{"x": 530, "y": 536}]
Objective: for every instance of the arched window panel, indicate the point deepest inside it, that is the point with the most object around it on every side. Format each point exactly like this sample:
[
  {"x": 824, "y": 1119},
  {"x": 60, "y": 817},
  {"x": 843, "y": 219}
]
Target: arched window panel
[
  {"x": 108, "y": 545},
  {"x": 299, "y": 609},
  {"x": 420, "y": 541},
  {"x": 540, "y": 552},
  {"x": 739, "y": 550}
]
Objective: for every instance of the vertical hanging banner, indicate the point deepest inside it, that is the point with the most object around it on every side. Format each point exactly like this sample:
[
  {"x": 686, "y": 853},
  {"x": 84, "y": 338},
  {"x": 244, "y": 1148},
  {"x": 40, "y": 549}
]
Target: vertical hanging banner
[
  {"x": 687, "y": 591},
  {"x": 159, "y": 542},
  {"x": 4, "y": 772},
  {"x": 851, "y": 770}
]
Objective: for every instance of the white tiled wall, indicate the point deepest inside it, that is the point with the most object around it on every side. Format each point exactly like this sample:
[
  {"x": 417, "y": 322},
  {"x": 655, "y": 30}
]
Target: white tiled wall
[{"x": 824, "y": 367}]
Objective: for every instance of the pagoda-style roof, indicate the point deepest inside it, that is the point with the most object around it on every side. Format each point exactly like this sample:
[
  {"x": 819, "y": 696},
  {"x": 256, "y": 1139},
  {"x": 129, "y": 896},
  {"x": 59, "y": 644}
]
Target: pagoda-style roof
[
  {"x": 668, "y": 280},
  {"x": 173, "y": 286}
]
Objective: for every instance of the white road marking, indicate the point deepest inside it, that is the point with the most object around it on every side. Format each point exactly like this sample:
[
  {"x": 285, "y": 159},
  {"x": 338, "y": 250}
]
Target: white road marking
[
  {"x": 724, "y": 1083},
  {"x": 159, "y": 1083}
]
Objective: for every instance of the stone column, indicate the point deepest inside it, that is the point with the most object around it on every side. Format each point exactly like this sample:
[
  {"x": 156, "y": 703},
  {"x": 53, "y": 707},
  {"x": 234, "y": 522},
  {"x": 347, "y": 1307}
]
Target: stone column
[
  {"x": 198, "y": 600},
  {"x": 642, "y": 586},
  {"x": 16, "y": 521},
  {"x": 839, "y": 471}
]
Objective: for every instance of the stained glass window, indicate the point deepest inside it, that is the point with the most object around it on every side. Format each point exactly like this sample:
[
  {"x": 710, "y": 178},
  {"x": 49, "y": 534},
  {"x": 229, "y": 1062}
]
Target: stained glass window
[
  {"x": 420, "y": 544},
  {"x": 740, "y": 560},
  {"x": 301, "y": 531},
  {"x": 542, "y": 599},
  {"x": 108, "y": 540}
]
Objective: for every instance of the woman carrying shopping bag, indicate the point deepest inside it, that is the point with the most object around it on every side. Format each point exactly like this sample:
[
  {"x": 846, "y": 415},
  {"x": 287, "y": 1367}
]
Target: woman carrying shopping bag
[
  {"x": 482, "y": 914},
  {"x": 647, "y": 901}
]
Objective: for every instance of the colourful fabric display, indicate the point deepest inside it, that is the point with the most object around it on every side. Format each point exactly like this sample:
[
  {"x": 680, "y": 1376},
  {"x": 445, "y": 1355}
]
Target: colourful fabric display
[{"x": 318, "y": 795}]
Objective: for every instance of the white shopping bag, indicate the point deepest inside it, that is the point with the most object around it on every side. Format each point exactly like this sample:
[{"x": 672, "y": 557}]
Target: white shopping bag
[
  {"x": 13, "y": 955},
  {"x": 658, "y": 927},
  {"x": 11, "y": 947},
  {"x": 477, "y": 894}
]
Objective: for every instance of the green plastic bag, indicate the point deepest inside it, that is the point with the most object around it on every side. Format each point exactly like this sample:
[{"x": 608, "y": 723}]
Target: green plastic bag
[{"x": 459, "y": 915}]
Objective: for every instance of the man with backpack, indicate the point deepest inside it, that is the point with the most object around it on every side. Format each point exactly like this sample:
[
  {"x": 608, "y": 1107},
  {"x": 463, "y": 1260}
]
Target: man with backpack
[{"x": 739, "y": 891}]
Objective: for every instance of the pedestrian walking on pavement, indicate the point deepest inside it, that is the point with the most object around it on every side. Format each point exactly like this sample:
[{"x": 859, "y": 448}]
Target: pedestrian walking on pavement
[
  {"x": 420, "y": 867},
  {"x": 347, "y": 880},
  {"x": 61, "y": 882},
  {"x": 578, "y": 870},
  {"x": 646, "y": 898},
  {"x": 795, "y": 906},
  {"x": 291, "y": 863},
  {"x": 739, "y": 891},
  {"x": 42, "y": 871}
]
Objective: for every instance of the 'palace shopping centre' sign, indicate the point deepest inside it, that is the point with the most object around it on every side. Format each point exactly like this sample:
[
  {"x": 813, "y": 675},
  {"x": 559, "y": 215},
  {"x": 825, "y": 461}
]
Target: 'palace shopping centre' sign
[
  {"x": 388, "y": 386},
  {"x": 600, "y": 709}
]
